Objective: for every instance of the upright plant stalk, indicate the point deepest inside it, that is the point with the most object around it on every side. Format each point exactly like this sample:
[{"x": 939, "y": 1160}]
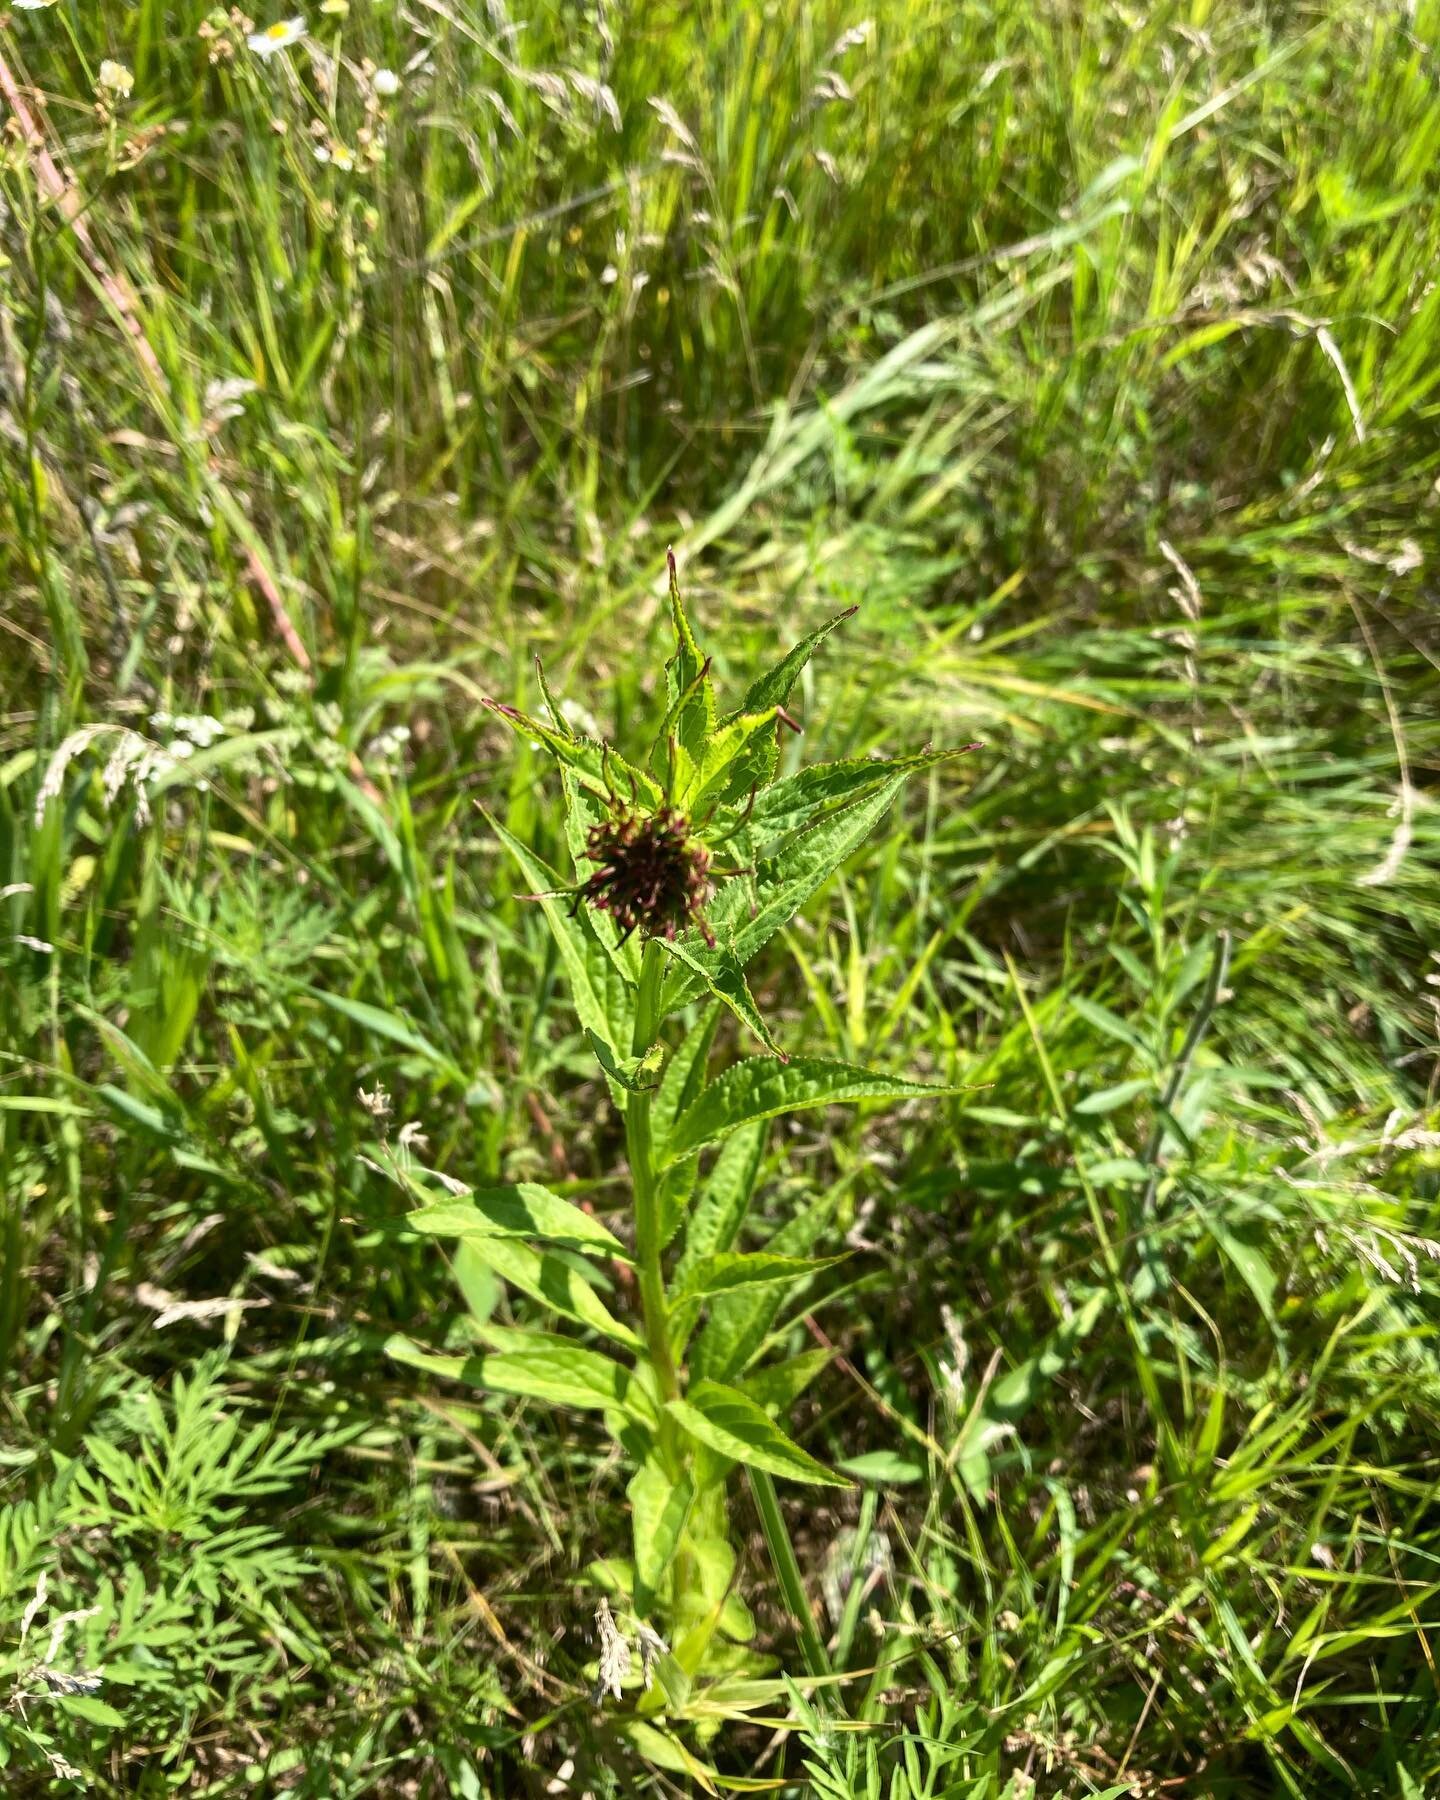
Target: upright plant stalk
[
  {"x": 639, "y": 1144},
  {"x": 653, "y": 843}
]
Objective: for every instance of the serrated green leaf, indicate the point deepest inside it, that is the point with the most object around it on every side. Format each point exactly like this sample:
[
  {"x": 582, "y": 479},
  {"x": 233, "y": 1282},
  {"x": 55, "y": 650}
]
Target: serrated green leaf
[
  {"x": 554, "y": 1282},
  {"x": 684, "y": 1074},
  {"x": 739, "y": 1322},
  {"x": 782, "y": 1384},
  {"x": 793, "y": 802},
  {"x": 591, "y": 762},
  {"x": 596, "y": 986},
  {"x": 659, "y": 1507},
  {"x": 691, "y": 712},
  {"x": 744, "y": 917},
  {"x": 740, "y": 755},
  {"x": 759, "y": 1089},
  {"x": 717, "y": 1216},
  {"x": 775, "y": 687},
  {"x": 723, "y": 976},
  {"x": 735, "y": 1426},
  {"x": 731, "y": 1269},
  {"x": 524, "y": 1210}
]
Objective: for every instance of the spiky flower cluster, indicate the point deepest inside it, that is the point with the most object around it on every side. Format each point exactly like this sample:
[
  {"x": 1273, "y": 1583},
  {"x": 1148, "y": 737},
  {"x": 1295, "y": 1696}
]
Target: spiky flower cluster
[{"x": 653, "y": 877}]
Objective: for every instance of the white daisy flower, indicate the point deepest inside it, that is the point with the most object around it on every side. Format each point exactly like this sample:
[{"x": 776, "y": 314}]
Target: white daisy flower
[
  {"x": 282, "y": 35},
  {"x": 385, "y": 83}
]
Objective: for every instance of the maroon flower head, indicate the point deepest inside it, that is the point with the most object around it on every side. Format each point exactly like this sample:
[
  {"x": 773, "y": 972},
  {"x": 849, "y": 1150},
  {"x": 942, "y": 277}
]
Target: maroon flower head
[{"x": 651, "y": 875}]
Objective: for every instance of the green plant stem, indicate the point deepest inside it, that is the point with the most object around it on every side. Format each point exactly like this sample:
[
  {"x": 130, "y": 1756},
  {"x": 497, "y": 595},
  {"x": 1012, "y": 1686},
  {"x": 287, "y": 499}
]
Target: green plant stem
[
  {"x": 787, "y": 1570},
  {"x": 639, "y": 1144}
]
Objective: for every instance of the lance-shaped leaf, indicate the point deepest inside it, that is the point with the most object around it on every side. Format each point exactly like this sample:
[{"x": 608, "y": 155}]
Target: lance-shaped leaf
[
  {"x": 740, "y": 755},
  {"x": 541, "y": 1368},
  {"x": 740, "y": 1321},
  {"x": 595, "y": 765},
  {"x": 794, "y": 802},
  {"x": 733, "y": 1425},
  {"x": 727, "y": 1270},
  {"x": 782, "y": 886},
  {"x": 691, "y": 712},
  {"x": 552, "y": 1280},
  {"x": 684, "y": 1074},
  {"x": 721, "y": 973},
  {"x": 524, "y": 1210},
  {"x": 731, "y": 1272},
  {"x": 596, "y": 983},
  {"x": 758, "y": 1089},
  {"x": 659, "y": 1507},
  {"x": 775, "y": 687},
  {"x": 717, "y": 1216}
]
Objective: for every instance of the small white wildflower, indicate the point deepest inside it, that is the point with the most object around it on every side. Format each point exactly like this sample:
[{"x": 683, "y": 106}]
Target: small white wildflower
[
  {"x": 600, "y": 97},
  {"x": 284, "y": 34},
  {"x": 831, "y": 86},
  {"x": 652, "y": 1648},
  {"x": 674, "y": 123},
  {"x": 614, "y": 1654},
  {"x": 386, "y": 83},
  {"x": 852, "y": 39},
  {"x": 224, "y": 397},
  {"x": 377, "y": 1104},
  {"x": 412, "y": 1138},
  {"x": 31, "y": 5},
  {"x": 114, "y": 78},
  {"x": 34, "y": 943}
]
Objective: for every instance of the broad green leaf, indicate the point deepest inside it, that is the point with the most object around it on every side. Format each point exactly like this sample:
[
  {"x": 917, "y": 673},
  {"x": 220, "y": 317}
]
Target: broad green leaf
[
  {"x": 595, "y": 765},
  {"x": 888, "y": 1468},
  {"x": 717, "y": 1216},
  {"x": 732, "y": 1424},
  {"x": 731, "y": 1269},
  {"x": 524, "y": 1210},
  {"x": 1014, "y": 1393},
  {"x": 539, "y": 1367},
  {"x": 774, "y": 688},
  {"x": 594, "y": 980},
  {"x": 659, "y": 1507},
  {"x": 93, "y": 1711},
  {"x": 739, "y": 1322},
  {"x": 794, "y": 801},
  {"x": 725, "y": 979},
  {"x": 759, "y": 1089},
  {"x": 684, "y": 1074},
  {"x": 567, "y": 1375},
  {"x": 1110, "y": 1099},
  {"x": 782, "y": 1384},
  {"x": 553, "y": 1281}
]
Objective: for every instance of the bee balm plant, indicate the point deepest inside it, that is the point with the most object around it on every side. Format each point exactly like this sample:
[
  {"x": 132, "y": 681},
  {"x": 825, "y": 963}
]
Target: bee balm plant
[{"x": 685, "y": 865}]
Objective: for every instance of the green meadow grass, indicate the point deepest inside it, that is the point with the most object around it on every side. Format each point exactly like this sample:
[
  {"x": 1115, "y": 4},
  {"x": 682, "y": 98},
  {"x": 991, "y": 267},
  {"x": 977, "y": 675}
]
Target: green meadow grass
[{"x": 1090, "y": 351}]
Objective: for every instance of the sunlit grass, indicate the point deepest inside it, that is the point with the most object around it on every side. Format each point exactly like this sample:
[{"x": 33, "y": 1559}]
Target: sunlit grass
[{"x": 1091, "y": 353}]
